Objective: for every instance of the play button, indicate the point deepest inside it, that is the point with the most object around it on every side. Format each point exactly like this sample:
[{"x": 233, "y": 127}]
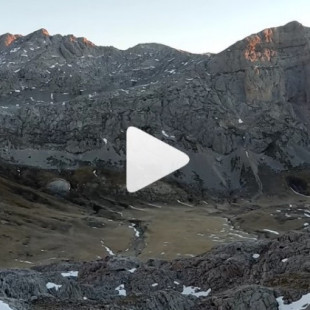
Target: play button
[{"x": 149, "y": 159}]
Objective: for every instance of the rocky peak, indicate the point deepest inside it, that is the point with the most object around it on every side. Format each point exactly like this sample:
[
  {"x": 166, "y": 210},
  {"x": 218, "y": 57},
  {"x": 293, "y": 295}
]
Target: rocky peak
[
  {"x": 265, "y": 48},
  {"x": 7, "y": 39},
  {"x": 293, "y": 25},
  {"x": 37, "y": 37},
  {"x": 40, "y": 33},
  {"x": 78, "y": 40},
  {"x": 86, "y": 41}
]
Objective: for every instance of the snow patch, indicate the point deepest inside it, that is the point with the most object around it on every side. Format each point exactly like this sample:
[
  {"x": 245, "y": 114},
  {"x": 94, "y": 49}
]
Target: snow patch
[
  {"x": 195, "y": 291},
  {"x": 70, "y": 274},
  {"x": 171, "y": 71},
  {"x": 4, "y": 306},
  {"x": 14, "y": 50},
  {"x": 166, "y": 135},
  {"x": 110, "y": 252},
  {"x": 51, "y": 285},
  {"x": 137, "y": 233},
  {"x": 121, "y": 290},
  {"x": 271, "y": 231},
  {"x": 300, "y": 304}
]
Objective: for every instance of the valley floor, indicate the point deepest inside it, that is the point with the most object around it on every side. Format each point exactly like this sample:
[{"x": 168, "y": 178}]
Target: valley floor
[
  {"x": 39, "y": 228},
  {"x": 182, "y": 255}
]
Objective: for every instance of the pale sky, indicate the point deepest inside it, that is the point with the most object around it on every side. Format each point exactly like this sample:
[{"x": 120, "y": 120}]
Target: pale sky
[{"x": 197, "y": 26}]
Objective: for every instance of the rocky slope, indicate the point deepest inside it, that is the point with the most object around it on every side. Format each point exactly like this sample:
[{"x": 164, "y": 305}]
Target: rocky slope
[
  {"x": 241, "y": 115},
  {"x": 261, "y": 275}
]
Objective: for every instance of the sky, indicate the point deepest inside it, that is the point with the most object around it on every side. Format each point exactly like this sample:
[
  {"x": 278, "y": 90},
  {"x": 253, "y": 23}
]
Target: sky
[{"x": 197, "y": 26}]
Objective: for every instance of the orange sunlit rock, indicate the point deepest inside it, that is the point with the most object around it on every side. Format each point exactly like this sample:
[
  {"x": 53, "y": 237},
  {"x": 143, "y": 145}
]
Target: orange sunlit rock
[
  {"x": 10, "y": 38},
  {"x": 255, "y": 50},
  {"x": 250, "y": 52},
  {"x": 87, "y": 42},
  {"x": 268, "y": 33},
  {"x": 72, "y": 38},
  {"x": 45, "y": 32}
]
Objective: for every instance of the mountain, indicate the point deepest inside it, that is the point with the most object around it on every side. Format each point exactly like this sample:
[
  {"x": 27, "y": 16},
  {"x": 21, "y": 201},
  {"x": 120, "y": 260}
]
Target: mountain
[
  {"x": 226, "y": 232},
  {"x": 241, "y": 115}
]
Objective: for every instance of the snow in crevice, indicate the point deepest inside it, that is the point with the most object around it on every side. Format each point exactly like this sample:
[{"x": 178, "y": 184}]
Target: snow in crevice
[
  {"x": 271, "y": 231},
  {"x": 137, "y": 233},
  {"x": 51, "y": 285},
  {"x": 166, "y": 135},
  {"x": 172, "y": 71},
  {"x": 110, "y": 252},
  {"x": 70, "y": 274},
  {"x": 14, "y": 50},
  {"x": 24, "y": 261}
]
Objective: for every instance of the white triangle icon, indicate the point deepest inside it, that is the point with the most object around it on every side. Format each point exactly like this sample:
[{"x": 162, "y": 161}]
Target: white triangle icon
[{"x": 149, "y": 159}]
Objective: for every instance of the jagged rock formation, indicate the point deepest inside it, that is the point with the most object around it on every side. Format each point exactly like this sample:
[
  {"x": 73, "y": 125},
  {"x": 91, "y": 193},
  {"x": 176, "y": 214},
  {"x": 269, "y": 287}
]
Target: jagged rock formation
[
  {"x": 65, "y": 102},
  {"x": 242, "y": 275}
]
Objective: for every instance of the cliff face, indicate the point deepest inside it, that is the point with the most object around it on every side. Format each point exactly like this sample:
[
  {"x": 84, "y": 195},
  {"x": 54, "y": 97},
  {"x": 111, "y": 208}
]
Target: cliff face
[{"x": 66, "y": 102}]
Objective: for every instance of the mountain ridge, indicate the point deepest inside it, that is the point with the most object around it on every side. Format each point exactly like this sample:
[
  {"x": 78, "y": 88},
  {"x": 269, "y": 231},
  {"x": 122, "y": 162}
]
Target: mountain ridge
[
  {"x": 44, "y": 32},
  {"x": 236, "y": 113}
]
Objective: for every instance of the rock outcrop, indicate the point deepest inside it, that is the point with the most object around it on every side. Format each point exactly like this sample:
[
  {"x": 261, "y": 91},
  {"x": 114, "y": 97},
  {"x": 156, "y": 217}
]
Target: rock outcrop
[
  {"x": 59, "y": 187},
  {"x": 242, "y": 275},
  {"x": 65, "y": 102}
]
